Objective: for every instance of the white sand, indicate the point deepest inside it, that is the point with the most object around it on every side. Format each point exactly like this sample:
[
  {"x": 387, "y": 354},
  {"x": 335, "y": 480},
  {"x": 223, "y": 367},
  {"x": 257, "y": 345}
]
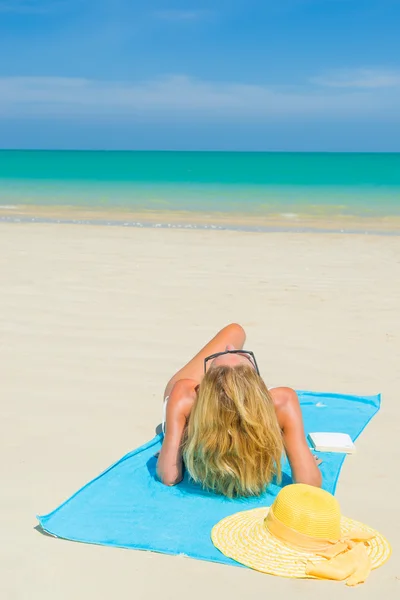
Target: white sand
[{"x": 94, "y": 320}]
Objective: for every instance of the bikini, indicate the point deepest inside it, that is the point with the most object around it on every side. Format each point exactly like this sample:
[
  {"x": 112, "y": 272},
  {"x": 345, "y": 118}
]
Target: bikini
[{"x": 164, "y": 413}]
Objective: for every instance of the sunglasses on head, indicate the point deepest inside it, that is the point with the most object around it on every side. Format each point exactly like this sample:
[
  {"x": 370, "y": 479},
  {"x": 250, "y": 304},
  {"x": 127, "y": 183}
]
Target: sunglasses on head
[{"x": 247, "y": 353}]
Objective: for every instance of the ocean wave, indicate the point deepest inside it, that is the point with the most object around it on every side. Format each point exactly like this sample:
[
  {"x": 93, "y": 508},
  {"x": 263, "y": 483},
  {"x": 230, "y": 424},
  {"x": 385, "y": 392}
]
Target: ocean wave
[{"x": 202, "y": 226}]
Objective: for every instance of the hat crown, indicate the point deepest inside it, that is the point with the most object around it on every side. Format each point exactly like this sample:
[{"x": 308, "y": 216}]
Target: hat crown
[{"x": 308, "y": 510}]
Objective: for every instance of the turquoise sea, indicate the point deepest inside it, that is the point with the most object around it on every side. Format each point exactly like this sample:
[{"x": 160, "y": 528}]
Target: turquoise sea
[{"x": 244, "y": 182}]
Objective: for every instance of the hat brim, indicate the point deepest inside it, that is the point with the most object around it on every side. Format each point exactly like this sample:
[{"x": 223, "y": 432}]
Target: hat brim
[{"x": 244, "y": 537}]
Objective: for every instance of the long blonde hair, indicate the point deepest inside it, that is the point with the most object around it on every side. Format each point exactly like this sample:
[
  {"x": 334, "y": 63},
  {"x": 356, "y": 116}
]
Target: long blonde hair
[{"x": 233, "y": 444}]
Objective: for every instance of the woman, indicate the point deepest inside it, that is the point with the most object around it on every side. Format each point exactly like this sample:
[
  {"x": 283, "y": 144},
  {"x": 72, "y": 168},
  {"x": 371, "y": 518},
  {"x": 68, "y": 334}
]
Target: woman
[{"x": 227, "y": 427}]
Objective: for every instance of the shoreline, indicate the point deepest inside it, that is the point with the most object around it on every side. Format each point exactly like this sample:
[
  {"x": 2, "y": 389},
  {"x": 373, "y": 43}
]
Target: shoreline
[{"x": 235, "y": 221}]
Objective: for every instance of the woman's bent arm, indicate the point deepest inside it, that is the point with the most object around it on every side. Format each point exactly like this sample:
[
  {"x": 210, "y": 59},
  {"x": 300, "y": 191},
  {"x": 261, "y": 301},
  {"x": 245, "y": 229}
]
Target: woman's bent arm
[
  {"x": 181, "y": 399},
  {"x": 303, "y": 464}
]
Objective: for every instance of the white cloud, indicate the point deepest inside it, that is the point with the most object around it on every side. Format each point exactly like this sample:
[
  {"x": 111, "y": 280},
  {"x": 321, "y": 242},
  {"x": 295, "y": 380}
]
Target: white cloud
[
  {"x": 360, "y": 78},
  {"x": 184, "y": 97},
  {"x": 180, "y": 15}
]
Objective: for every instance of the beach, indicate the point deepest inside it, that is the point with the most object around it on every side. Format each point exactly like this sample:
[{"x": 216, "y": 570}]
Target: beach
[{"x": 93, "y": 322}]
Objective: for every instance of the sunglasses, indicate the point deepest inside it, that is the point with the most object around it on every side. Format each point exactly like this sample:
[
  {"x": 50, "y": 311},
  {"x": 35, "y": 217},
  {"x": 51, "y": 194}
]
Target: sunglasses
[{"x": 246, "y": 353}]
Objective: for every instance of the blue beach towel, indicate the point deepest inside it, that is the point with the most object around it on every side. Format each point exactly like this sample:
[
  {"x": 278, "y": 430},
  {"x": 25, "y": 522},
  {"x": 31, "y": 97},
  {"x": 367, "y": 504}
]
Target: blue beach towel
[{"x": 126, "y": 506}]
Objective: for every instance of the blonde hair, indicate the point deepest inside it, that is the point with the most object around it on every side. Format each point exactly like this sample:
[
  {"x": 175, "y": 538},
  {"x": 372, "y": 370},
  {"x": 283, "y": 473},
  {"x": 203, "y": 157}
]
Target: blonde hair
[{"x": 233, "y": 444}]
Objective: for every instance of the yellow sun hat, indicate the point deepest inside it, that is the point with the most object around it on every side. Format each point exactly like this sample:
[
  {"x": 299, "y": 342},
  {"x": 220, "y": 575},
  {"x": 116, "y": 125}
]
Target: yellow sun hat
[{"x": 302, "y": 535}]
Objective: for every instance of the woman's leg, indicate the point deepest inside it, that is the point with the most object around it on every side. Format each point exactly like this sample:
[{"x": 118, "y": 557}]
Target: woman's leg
[{"x": 232, "y": 334}]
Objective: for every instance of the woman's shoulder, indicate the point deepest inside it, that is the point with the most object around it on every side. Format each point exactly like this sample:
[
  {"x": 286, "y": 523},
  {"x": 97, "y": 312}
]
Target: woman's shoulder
[
  {"x": 182, "y": 396},
  {"x": 286, "y": 403}
]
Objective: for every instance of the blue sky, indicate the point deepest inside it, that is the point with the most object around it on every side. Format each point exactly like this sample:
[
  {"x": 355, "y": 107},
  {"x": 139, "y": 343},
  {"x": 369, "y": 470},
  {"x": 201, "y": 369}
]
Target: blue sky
[{"x": 231, "y": 75}]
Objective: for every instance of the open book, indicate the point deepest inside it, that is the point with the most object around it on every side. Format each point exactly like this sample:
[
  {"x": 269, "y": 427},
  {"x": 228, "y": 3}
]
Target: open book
[{"x": 332, "y": 442}]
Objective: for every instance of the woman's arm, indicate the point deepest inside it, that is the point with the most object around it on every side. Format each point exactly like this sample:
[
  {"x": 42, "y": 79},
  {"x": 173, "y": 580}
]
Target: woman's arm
[
  {"x": 232, "y": 334},
  {"x": 181, "y": 399},
  {"x": 302, "y": 462}
]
